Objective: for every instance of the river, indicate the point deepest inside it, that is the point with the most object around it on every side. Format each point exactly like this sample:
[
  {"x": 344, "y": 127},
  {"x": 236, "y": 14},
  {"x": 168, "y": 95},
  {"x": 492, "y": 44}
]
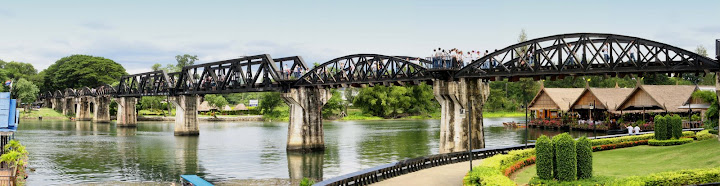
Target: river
[{"x": 69, "y": 152}]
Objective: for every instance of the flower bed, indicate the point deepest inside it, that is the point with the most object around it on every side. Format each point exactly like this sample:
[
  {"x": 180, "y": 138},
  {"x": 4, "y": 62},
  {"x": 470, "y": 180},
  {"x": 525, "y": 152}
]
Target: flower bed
[
  {"x": 519, "y": 165},
  {"x": 670, "y": 142},
  {"x": 490, "y": 171},
  {"x": 619, "y": 145}
]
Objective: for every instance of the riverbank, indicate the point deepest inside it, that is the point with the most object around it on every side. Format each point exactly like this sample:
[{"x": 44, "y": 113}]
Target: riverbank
[
  {"x": 45, "y": 113},
  {"x": 204, "y": 118}
]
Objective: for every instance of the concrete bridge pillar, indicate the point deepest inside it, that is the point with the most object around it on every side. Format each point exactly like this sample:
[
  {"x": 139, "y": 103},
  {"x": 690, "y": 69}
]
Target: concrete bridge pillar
[
  {"x": 69, "y": 106},
  {"x": 186, "y": 115},
  {"x": 56, "y": 104},
  {"x": 83, "y": 109},
  {"x": 454, "y": 97},
  {"x": 102, "y": 109},
  {"x": 48, "y": 103},
  {"x": 126, "y": 114},
  {"x": 305, "y": 132}
]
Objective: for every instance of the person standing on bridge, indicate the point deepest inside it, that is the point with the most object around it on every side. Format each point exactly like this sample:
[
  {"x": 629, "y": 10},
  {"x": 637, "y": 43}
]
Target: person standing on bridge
[
  {"x": 632, "y": 52},
  {"x": 605, "y": 53}
]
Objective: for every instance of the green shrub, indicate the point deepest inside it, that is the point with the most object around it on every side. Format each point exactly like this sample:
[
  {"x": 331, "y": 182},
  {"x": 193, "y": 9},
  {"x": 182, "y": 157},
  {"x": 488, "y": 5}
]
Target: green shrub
[
  {"x": 565, "y": 157},
  {"x": 682, "y": 177},
  {"x": 607, "y": 141},
  {"x": 544, "y": 161},
  {"x": 704, "y": 135},
  {"x": 482, "y": 175},
  {"x": 306, "y": 182},
  {"x": 688, "y": 134},
  {"x": 503, "y": 161},
  {"x": 661, "y": 127},
  {"x": 597, "y": 180},
  {"x": 713, "y": 131},
  {"x": 675, "y": 127},
  {"x": 669, "y": 142},
  {"x": 584, "y": 158}
]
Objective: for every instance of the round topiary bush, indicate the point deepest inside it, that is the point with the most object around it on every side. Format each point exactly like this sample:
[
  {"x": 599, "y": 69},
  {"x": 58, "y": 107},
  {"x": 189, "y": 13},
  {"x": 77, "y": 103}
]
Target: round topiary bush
[
  {"x": 675, "y": 126},
  {"x": 565, "y": 157},
  {"x": 584, "y": 158},
  {"x": 544, "y": 160},
  {"x": 660, "y": 127}
]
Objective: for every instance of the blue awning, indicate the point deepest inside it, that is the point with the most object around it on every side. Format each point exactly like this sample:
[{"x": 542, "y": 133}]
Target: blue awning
[{"x": 195, "y": 180}]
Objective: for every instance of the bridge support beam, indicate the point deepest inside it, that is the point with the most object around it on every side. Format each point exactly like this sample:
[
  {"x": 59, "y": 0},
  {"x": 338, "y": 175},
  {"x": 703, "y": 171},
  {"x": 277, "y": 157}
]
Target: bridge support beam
[
  {"x": 102, "y": 109},
  {"x": 126, "y": 114},
  {"x": 83, "y": 109},
  {"x": 305, "y": 132},
  {"x": 186, "y": 115},
  {"x": 454, "y": 97},
  {"x": 57, "y": 104},
  {"x": 69, "y": 106}
]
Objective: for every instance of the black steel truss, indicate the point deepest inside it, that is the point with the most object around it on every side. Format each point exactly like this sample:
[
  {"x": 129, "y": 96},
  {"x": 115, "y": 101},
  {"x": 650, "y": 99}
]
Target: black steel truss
[
  {"x": 358, "y": 69},
  {"x": 156, "y": 83},
  {"x": 585, "y": 54}
]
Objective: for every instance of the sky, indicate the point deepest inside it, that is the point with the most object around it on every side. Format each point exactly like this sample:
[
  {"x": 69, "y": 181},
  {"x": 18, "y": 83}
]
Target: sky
[{"x": 140, "y": 33}]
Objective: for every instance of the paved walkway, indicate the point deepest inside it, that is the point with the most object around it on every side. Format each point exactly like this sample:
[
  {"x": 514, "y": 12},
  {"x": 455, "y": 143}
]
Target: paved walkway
[{"x": 451, "y": 174}]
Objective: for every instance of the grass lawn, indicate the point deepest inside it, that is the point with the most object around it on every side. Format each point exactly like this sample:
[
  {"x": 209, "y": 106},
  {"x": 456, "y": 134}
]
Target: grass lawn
[
  {"x": 643, "y": 160},
  {"x": 500, "y": 114},
  {"x": 44, "y": 112}
]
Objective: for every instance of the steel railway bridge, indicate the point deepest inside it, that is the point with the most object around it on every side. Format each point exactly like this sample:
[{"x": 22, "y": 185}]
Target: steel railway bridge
[{"x": 460, "y": 91}]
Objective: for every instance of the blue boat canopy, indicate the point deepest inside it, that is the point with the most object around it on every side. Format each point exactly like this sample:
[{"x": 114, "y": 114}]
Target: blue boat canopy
[{"x": 195, "y": 180}]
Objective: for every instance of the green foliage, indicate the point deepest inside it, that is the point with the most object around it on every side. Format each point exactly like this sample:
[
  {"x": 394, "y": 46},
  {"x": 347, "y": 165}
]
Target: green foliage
[
  {"x": 334, "y": 104},
  {"x": 713, "y": 131},
  {"x": 545, "y": 158},
  {"x": 705, "y": 135},
  {"x": 306, "y": 182},
  {"x": 270, "y": 101},
  {"x": 482, "y": 175},
  {"x": 16, "y": 156},
  {"x": 392, "y": 101},
  {"x": 597, "y": 180},
  {"x": 669, "y": 142},
  {"x": 152, "y": 102},
  {"x": 711, "y": 115},
  {"x": 216, "y": 100},
  {"x": 490, "y": 170},
  {"x": 185, "y": 60},
  {"x": 682, "y": 177},
  {"x": 25, "y": 90},
  {"x": 661, "y": 126},
  {"x": 78, "y": 71},
  {"x": 584, "y": 158},
  {"x": 675, "y": 126},
  {"x": 565, "y": 157}
]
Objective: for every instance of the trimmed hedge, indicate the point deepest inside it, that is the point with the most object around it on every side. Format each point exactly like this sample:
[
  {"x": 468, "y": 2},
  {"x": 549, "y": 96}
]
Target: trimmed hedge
[
  {"x": 688, "y": 134},
  {"x": 675, "y": 127},
  {"x": 618, "y": 140},
  {"x": 584, "y": 158},
  {"x": 661, "y": 126},
  {"x": 490, "y": 171},
  {"x": 482, "y": 175},
  {"x": 565, "y": 157},
  {"x": 713, "y": 131},
  {"x": 545, "y": 153},
  {"x": 682, "y": 177},
  {"x": 704, "y": 135},
  {"x": 669, "y": 142},
  {"x": 619, "y": 145}
]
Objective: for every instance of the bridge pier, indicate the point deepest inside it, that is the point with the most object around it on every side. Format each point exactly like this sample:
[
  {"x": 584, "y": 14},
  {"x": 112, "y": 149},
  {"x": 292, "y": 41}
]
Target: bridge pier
[
  {"x": 126, "y": 114},
  {"x": 454, "y": 97},
  {"x": 69, "y": 106},
  {"x": 83, "y": 109},
  {"x": 305, "y": 132},
  {"x": 57, "y": 104},
  {"x": 186, "y": 115},
  {"x": 102, "y": 109}
]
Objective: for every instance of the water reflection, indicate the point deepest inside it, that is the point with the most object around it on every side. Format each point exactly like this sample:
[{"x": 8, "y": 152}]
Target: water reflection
[{"x": 72, "y": 152}]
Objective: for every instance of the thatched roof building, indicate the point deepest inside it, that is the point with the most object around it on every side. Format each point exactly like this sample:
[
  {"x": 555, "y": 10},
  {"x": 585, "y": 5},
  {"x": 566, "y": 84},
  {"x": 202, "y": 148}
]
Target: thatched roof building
[
  {"x": 240, "y": 107},
  {"x": 603, "y": 98},
  {"x": 205, "y": 106},
  {"x": 657, "y": 98},
  {"x": 555, "y": 99}
]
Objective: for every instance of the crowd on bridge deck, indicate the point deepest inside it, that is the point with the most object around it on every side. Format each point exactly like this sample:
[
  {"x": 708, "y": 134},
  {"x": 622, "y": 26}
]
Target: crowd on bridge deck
[{"x": 455, "y": 58}]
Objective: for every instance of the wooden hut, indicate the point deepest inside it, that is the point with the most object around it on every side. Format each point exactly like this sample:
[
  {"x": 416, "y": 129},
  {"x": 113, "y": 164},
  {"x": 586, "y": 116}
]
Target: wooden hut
[
  {"x": 240, "y": 107},
  {"x": 549, "y": 102},
  {"x": 657, "y": 98},
  {"x": 205, "y": 107}
]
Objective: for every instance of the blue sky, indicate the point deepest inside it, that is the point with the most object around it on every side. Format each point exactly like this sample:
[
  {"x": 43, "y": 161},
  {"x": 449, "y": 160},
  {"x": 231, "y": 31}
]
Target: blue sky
[{"x": 138, "y": 34}]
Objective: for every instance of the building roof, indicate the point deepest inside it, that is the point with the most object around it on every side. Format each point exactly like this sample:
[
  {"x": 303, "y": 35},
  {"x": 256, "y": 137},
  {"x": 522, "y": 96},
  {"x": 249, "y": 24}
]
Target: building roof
[
  {"x": 608, "y": 97},
  {"x": 561, "y": 97},
  {"x": 666, "y": 97},
  {"x": 205, "y": 106},
  {"x": 240, "y": 107}
]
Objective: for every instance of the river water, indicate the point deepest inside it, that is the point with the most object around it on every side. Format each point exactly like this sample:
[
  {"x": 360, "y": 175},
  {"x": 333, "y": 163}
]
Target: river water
[{"x": 69, "y": 152}]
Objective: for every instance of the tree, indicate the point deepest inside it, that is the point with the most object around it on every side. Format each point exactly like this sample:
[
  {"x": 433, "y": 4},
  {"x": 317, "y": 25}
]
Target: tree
[
  {"x": 185, "y": 60},
  {"x": 393, "y": 101},
  {"x": 216, "y": 101},
  {"x": 711, "y": 114},
  {"x": 17, "y": 70},
  {"x": 334, "y": 104},
  {"x": 78, "y": 71},
  {"x": 701, "y": 50},
  {"x": 25, "y": 91},
  {"x": 153, "y": 103},
  {"x": 156, "y": 67},
  {"x": 269, "y": 102}
]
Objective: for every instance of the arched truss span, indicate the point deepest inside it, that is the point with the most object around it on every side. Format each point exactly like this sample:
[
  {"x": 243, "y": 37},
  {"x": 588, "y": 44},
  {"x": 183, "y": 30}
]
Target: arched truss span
[
  {"x": 105, "y": 90},
  {"x": 353, "y": 70},
  {"x": 70, "y": 93},
  {"x": 585, "y": 54},
  {"x": 58, "y": 94},
  {"x": 86, "y": 91}
]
